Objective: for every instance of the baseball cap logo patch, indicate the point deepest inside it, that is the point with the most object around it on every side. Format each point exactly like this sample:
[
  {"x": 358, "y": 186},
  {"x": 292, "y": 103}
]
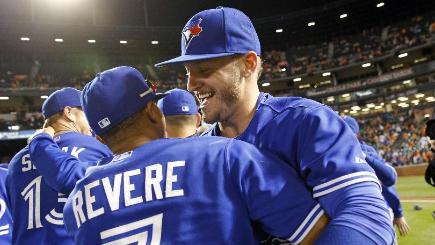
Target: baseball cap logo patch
[
  {"x": 104, "y": 122},
  {"x": 185, "y": 108},
  {"x": 189, "y": 32}
]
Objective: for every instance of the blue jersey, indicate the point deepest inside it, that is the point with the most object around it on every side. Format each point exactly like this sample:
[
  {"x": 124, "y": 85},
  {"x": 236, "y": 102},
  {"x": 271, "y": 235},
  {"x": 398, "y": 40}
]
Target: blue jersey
[
  {"x": 392, "y": 197},
  {"x": 197, "y": 190},
  {"x": 316, "y": 142},
  {"x": 5, "y": 214},
  {"x": 386, "y": 173},
  {"x": 37, "y": 206}
]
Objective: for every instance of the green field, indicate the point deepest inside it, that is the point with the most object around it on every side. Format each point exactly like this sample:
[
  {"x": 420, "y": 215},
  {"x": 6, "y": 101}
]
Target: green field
[{"x": 414, "y": 191}]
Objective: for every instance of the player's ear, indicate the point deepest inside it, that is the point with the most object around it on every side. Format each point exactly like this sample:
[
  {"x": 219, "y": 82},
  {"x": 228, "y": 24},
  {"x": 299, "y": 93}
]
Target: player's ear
[
  {"x": 67, "y": 114},
  {"x": 153, "y": 112},
  {"x": 198, "y": 120},
  {"x": 250, "y": 63}
]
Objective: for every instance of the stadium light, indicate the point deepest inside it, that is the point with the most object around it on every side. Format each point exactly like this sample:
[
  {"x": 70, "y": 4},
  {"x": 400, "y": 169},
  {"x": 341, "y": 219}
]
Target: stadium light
[
  {"x": 366, "y": 65},
  {"x": 366, "y": 109},
  {"x": 402, "y": 55},
  {"x": 123, "y": 42},
  {"x": 330, "y": 99},
  {"x": 393, "y": 101},
  {"x": 91, "y": 41},
  {"x": 155, "y": 42},
  {"x": 420, "y": 60},
  {"x": 14, "y": 127},
  {"x": 283, "y": 69},
  {"x": 353, "y": 112},
  {"x": 381, "y": 4},
  {"x": 406, "y": 82},
  {"x": 415, "y": 102},
  {"x": 298, "y": 79},
  {"x": 265, "y": 84},
  {"x": 279, "y": 30},
  {"x": 371, "y": 105},
  {"x": 325, "y": 74},
  {"x": 346, "y": 111},
  {"x": 402, "y": 98},
  {"x": 44, "y": 97},
  {"x": 25, "y": 39},
  {"x": 430, "y": 99},
  {"x": 58, "y": 40},
  {"x": 378, "y": 107},
  {"x": 419, "y": 95},
  {"x": 312, "y": 23},
  {"x": 305, "y": 86},
  {"x": 342, "y": 16},
  {"x": 355, "y": 108},
  {"x": 4, "y": 97},
  {"x": 345, "y": 95}
]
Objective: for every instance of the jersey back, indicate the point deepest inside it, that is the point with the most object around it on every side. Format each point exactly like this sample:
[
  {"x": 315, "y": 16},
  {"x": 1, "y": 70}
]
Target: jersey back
[
  {"x": 200, "y": 190},
  {"x": 36, "y": 207}
]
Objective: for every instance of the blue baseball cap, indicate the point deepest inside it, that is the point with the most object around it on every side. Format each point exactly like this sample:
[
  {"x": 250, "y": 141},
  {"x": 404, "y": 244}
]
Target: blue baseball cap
[
  {"x": 115, "y": 95},
  {"x": 178, "y": 102},
  {"x": 216, "y": 33},
  {"x": 59, "y": 99},
  {"x": 352, "y": 123}
]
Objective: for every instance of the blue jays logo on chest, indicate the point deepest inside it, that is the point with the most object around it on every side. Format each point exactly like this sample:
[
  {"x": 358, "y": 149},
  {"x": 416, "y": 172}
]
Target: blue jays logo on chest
[{"x": 191, "y": 31}]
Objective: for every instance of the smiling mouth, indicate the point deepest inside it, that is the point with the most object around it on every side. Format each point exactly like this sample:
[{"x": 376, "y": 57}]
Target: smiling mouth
[{"x": 203, "y": 97}]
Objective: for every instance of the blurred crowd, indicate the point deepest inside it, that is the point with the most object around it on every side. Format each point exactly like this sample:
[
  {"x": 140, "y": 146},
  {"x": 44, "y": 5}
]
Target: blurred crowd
[
  {"x": 399, "y": 138},
  {"x": 371, "y": 43}
]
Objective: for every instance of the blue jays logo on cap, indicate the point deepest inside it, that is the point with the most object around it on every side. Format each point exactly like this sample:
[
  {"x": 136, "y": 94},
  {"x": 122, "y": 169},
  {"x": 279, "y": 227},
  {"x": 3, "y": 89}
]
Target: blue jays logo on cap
[{"x": 191, "y": 31}]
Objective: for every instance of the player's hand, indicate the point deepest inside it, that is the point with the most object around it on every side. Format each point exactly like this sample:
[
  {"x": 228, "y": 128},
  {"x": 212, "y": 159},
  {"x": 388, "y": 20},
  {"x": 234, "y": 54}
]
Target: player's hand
[
  {"x": 48, "y": 130},
  {"x": 402, "y": 226}
]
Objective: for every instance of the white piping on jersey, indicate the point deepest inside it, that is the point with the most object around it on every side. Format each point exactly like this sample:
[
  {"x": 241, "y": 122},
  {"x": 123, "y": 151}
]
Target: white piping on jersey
[
  {"x": 347, "y": 176},
  {"x": 4, "y": 230},
  {"x": 146, "y": 92},
  {"x": 310, "y": 226},
  {"x": 342, "y": 185},
  {"x": 306, "y": 220}
]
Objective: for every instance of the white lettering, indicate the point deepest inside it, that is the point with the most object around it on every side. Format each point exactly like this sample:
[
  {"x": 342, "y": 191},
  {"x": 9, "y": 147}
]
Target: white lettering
[
  {"x": 171, "y": 178},
  {"x": 76, "y": 151},
  {"x": 91, "y": 199},
  {"x": 112, "y": 194},
  {"x": 153, "y": 182},
  {"x": 77, "y": 206},
  {"x": 128, "y": 188}
]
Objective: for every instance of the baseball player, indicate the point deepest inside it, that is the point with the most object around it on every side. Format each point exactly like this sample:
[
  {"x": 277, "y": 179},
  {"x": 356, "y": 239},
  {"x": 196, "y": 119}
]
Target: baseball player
[
  {"x": 387, "y": 175},
  {"x": 220, "y": 51},
  {"x": 5, "y": 214},
  {"x": 196, "y": 190},
  {"x": 181, "y": 113},
  {"x": 37, "y": 202}
]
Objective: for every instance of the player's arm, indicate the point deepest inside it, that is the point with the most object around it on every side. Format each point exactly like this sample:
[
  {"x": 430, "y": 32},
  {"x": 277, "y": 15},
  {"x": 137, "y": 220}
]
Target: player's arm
[
  {"x": 329, "y": 156},
  {"x": 274, "y": 194},
  {"x": 59, "y": 169},
  {"x": 386, "y": 173}
]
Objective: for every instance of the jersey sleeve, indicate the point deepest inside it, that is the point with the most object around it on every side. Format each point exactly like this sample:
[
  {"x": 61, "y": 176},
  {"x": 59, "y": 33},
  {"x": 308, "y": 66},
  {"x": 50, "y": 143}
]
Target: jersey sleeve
[
  {"x": 385, "y": 173},
  {"x": 329, "y": 154},
  {"x": 59, "y": 169},
  {"x": 274, "y": 194},
  {"x": 392, "y": 197}
]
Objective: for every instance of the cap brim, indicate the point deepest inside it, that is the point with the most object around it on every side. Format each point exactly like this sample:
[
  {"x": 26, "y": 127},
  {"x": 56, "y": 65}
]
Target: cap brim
[{"x": 191, "y": 57}]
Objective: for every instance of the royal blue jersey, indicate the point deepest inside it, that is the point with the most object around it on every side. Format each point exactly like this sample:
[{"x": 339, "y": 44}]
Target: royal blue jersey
[
  {"x": 385, "y": 172},
  {"x": 319, "y": 145},
  {"x": 36, "y": 205},
  {"x": 5, "y": 214},
  {"x": 198, "y": 190},
  {"x": 392, "y": 197}
]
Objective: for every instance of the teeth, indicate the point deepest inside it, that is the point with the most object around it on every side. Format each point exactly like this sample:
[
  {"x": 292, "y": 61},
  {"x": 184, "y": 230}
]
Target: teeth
[{"x": 204, "y": 95}]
